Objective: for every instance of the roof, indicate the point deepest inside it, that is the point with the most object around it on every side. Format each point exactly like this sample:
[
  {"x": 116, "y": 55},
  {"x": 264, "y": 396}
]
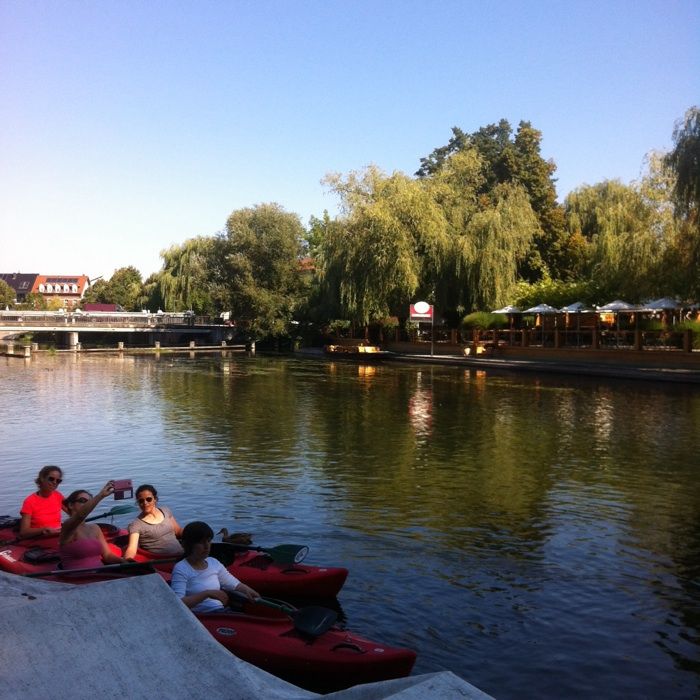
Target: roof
[
  {"x": 80, "y": 281},
  {"x": 23, "y": 283}
]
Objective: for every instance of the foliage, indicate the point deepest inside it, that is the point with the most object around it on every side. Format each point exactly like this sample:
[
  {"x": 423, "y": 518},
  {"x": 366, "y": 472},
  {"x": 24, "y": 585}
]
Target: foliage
[
  {"x": 684, "y": 160},
  {"x": 389, "y": 243},
  {"x": 338, "y": 326},
  {"x": 484, "y": 320},
  {"x": 7, "y": 294},
  {"x": 124, "y": 288},
  {"x": 694, "y": 327},
  {"x": 185, "y": 280},
  {"x": 34, "y": 302},
  {"x": 54, "y": 304},
  {"x": 514, "y": 160},
  {"x": 257, "y": 268},
  {"x": 625, "y": 253},
  {"x": 556, "y": 293}
]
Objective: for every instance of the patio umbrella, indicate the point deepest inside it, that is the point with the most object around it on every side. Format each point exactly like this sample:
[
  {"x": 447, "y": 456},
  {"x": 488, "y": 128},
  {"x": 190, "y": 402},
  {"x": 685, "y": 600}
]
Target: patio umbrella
[
  {"x": 576, "y": 308},
  {"x": 663, "y": 304},
  {"x": 615, "y": 307},
  {"x": 507, "y": 310},
  {"x": 542, "y": 309}
]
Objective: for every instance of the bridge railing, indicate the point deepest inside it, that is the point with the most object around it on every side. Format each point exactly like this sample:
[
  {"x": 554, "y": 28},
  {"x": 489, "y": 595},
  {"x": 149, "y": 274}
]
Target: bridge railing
[{"x": 112, "y": 319}]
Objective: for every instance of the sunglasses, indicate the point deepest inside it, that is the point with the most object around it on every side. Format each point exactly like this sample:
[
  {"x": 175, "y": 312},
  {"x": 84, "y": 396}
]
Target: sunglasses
[
  {"x": 81, "y": 500},
  {"x": 147, "y": 499},
  {"x": 54, "y": 479}
]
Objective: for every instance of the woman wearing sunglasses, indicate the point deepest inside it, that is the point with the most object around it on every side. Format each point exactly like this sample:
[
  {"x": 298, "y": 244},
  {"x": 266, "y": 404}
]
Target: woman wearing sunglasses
[
  {"x": 41, "y": 511},
  {"x": 83, "y": 545},
  {"x": 156, "y": 529}
]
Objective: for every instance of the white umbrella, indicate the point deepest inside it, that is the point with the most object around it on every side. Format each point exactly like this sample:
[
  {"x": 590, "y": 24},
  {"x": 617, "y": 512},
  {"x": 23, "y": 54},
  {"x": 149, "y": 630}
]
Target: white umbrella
[
  {"x": 615, "y": 307},
  {"x": 507, "y": 310},
  {"x": 541, "y": 309},
  {"x": 573, "y": 308},
  {"x": 618, "y": 305},
  {"x": 664, "y": 304}
]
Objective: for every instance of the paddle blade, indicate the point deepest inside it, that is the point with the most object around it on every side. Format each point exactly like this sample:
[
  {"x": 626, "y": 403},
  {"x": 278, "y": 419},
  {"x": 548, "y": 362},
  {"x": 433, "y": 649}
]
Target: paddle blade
[
  {"x": 288, "y": 553},
  {"x": 117, "y": 510},
  {"x": 314, "y": 620}
]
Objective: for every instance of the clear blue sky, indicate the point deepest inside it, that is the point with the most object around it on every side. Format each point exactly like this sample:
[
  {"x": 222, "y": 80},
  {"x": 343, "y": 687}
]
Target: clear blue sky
[{"x": 128, "y": 126}]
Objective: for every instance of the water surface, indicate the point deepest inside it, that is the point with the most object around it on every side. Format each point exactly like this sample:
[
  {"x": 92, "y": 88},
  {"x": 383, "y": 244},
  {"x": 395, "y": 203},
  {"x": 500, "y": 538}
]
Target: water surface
[{"x": 539, "y": 537}]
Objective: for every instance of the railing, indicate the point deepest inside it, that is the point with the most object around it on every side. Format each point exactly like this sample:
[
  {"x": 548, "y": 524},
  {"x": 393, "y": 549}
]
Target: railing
[{"x": 105, "y": 319}]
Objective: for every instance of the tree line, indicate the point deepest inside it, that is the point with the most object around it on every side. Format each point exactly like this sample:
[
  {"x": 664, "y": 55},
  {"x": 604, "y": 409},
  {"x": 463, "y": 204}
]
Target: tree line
[{"x": 477, "y": 226}]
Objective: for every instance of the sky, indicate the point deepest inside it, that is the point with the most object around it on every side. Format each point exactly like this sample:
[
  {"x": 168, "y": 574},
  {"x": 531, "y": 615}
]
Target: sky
[{"x": 128, "y": 127}]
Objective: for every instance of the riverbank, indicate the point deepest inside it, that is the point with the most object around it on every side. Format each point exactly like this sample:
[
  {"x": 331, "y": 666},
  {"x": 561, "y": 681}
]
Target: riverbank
[{"x": 650, "y": 365}]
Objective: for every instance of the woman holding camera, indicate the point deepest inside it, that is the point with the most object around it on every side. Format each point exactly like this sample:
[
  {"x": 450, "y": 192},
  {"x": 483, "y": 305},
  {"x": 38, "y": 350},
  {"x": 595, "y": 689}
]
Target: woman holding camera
[{"x": 83, "y": 545}]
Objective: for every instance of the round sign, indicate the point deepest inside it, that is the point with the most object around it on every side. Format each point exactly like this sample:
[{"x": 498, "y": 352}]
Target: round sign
[{"x": 421, "y": 307}]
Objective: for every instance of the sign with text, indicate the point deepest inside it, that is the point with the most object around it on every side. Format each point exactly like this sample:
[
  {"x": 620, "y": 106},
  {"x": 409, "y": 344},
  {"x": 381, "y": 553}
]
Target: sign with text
[{"x": 421, "y": 311}]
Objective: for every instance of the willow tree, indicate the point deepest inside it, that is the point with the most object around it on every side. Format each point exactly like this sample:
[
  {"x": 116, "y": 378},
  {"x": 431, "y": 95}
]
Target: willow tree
[
  {"x": 684, "y": 162},
  {"x": 625, "y": 251},
  {"x": 514, "y": 159},
  {"x": 185, "y": 281},
  {"x": 490, "y": 233},
  {"x": 389, "y": 244},
  {"x": 258, "y": 269}
]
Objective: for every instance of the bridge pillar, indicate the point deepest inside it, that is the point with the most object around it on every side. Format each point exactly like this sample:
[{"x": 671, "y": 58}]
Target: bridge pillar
[
  {"x": 192, "y": 343},
  {"x": 10, "y": 348},
  {"x": 27, "y": 351},
  {"x": 71, "y": 338},
  {"x": 120, "y": 345}
]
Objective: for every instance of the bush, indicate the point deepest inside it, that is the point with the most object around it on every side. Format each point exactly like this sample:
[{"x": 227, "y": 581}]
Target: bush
[
  {"x": 483, "y": 320},
  {"x": 694, "y": 327}
]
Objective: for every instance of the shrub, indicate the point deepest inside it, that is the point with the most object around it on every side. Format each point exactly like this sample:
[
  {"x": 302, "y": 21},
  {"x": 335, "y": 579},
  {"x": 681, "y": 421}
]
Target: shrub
[{"x": 483, "y": 320}]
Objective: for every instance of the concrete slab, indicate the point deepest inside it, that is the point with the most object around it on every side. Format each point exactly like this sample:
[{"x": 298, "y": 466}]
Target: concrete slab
[{"x": 133, "y": 638}]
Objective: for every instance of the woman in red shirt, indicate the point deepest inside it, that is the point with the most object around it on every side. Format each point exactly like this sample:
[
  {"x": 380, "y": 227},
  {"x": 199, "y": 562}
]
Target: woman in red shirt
[{"x": 41, "y": 511}]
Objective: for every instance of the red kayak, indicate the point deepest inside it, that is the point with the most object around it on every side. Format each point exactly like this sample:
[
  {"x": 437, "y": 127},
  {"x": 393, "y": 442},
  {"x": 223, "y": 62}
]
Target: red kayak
[
  {"x": 257, "y": 569},
  {"x": 267, "y": 576},
  {"x": 334, "y": 660}
]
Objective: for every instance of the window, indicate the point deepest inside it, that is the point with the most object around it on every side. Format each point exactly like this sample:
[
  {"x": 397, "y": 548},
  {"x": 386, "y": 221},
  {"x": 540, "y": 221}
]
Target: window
[
  {"x": 41, "y": 288},
  {"x": 49, "y": 288}
]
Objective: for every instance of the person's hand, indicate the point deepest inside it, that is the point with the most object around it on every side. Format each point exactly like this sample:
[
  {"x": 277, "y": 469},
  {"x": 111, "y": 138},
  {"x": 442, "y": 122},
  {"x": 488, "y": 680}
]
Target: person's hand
[
  {"x": 106, "y": 490},
  {"x": 248, "y": 592},
  {"x": 48, "y": 531},
  {"x": 219, "y": 595}
]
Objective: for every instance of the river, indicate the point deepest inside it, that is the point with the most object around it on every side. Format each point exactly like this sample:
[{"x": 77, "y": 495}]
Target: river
[{"x": 538, "y": 536}]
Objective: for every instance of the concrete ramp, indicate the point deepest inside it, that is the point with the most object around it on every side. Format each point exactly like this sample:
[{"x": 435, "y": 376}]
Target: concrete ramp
[{"x": 132, "y": 638}]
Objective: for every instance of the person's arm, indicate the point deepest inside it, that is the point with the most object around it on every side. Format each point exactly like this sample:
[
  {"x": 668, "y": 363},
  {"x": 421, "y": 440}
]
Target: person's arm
[
  {"x": 108, "y": 556},
  {"x": 72, "y": 524},
  {"x": 230, "y": 583},
  {"x": 132, "y": 546},
  {"x": 176, "y": 527},
  {"x": 178, "y": 582},
  {"x": 27, "y": 532}
]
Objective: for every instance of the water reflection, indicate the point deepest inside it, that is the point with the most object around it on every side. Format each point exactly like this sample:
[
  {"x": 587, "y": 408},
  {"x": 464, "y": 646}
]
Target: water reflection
[{"x": 523, "y": 532}]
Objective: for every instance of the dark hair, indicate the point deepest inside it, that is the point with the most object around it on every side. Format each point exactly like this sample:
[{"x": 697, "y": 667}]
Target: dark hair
[
  {"x": 45, "y": 471},
  {"x": 147, "y": 487},
  {"x": 71, "y": 499},
  {"x": 193, "y": 533}
]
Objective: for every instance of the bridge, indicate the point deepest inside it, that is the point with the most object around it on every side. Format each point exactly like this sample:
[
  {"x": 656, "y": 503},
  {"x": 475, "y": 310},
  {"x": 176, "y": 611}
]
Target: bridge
[{"x": 145, "y": 328}]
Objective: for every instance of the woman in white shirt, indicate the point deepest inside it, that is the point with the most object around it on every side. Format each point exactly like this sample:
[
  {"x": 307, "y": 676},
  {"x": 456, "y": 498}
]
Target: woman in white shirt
[{"x": 199, "y": 580}]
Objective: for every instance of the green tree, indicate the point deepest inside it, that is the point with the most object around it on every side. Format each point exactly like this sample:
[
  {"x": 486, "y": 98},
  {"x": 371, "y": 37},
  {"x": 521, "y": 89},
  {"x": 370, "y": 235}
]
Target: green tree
[
  {"x": 258, "y": 274},
  {"x": 124, "y": 287},
  {"x": 390, "y": 243},
  {"x": 34, "y": 301},
  {"x": 185, "y": 282},
  {"x": 7, "y": 294},
  {"x": 515, "y": 160},
  {"x": 684, "y": 162},
  {"x": 618, "y": 224}
]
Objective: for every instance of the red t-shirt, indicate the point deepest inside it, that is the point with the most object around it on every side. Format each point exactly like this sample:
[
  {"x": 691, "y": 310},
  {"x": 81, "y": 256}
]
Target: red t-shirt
[{"x": 45, "y": 512}]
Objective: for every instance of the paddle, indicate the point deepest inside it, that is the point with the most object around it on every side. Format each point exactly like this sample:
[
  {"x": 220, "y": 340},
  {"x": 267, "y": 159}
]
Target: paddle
[
  {"x": 312, "y": 620},
  {"x": 282, "y": 554},
  {"x": 117, "y": 510},
  {"x": 107, "y": 568}
]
